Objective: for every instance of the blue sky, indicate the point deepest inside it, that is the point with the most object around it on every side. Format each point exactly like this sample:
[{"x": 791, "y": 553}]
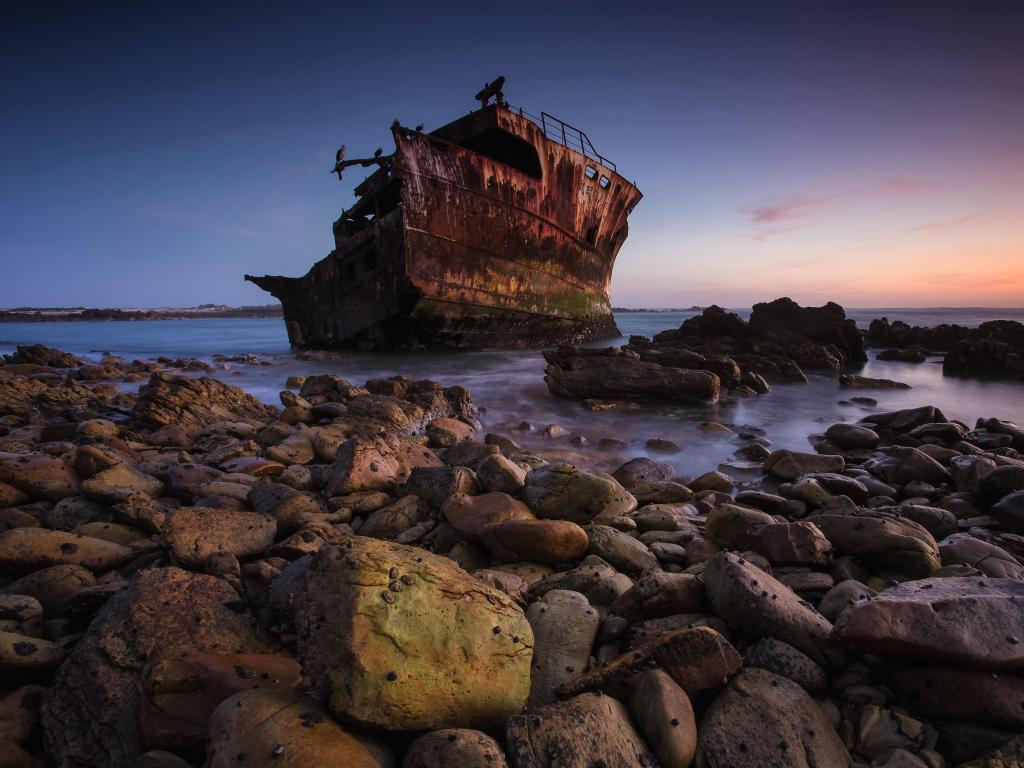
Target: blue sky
[{"x": 868, "y": 152}]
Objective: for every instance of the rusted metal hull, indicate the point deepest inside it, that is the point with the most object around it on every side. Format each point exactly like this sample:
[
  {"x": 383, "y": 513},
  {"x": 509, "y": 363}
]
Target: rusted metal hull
[{"x": 471, "y": 250}]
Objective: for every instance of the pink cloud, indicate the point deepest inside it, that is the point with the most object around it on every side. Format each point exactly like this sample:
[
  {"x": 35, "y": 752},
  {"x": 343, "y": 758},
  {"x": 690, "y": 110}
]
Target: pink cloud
[
  {"x": 981, "y": 217},
  {"x": 801, "y": 206}
]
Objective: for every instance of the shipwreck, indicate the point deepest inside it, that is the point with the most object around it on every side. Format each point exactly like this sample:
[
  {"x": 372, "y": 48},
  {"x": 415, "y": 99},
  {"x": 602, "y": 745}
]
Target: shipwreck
[{"x": 500, "y": 228}]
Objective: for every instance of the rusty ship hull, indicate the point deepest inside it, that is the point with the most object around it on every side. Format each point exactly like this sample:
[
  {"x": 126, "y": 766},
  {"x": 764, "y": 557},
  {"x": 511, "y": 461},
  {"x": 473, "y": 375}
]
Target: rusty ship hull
[{"x": 486, "y": 232}]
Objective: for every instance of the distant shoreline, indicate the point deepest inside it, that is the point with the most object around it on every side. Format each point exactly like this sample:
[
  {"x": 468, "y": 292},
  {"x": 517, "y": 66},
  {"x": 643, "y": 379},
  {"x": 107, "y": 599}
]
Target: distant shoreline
[{"x": 92, "y": 315}]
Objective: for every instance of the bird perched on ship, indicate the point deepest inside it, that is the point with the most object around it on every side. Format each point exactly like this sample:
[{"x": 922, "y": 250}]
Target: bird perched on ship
[
  {"x": 378, "y": 152},
  {"x": 338, "y": 159},
  {"x": 419, "y": 128}
]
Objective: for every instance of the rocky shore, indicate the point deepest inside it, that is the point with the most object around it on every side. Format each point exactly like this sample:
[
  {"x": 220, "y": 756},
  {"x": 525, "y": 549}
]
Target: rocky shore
[{"x": 366, "y": 577}]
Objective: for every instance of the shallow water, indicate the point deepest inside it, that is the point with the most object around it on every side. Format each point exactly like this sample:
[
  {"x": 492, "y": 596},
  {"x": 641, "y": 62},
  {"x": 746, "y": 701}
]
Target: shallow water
[{"x": 509, "y": 385}]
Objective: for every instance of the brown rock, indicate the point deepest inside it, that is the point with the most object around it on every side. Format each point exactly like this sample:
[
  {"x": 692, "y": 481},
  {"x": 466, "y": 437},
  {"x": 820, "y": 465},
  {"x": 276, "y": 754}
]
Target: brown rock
[
  {"x": 365, "y": 464},
  {"x": 751, "y": 600},
  {"x": 281, "y": 728},
  {"x": 730, "y": 525},
  {"x": 762, "y": 720},
  {"x": 192, "y": 402},
  {"x": 39, "y": 476},
  {"x": 697, "y": 659},
  {"x": 193, "y": 533},
  {"x": 586, "y": 731},
  {"x": 881, "y": 540},
  {"x": 119, "y": 482},
  {"x": 564, "y": 627},
  {"x": 28, "y": 659},
  {"x": 664, "y": 715},
  {"x": 792, "y": 544},
  {"x": 29, "y": 549},
  {"x": 657, "y": 593},
  {"x": 955, "y": 620},
  {"x": 451, "y": 747},
  {"x": 19, "y": 713},
  {"x": 92, "y": 716},
  {"x": 992, "y": 560},
  {"x": 52, "y": 587},
  {"x": 957, "y": 693}
]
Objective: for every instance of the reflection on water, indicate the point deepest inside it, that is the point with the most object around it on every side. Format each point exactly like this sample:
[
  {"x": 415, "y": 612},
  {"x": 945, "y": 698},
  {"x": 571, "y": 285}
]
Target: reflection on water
[{"x": 509, "y": 385}]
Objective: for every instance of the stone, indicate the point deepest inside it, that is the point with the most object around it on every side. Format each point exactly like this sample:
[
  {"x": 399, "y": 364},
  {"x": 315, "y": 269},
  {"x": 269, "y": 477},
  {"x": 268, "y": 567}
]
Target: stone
[
  {"x": 19, "y": 713},
  {"x": 454, "y": 747},
  {"x": 564, "y": 628},
  {"x": 445, "y": 432},
  {"x": 29, "y": 549},
  {"x": 500, "y": 474},
  {"x": 52, "y": 587},
  {"x": 25, "y": 659},
  {"x": 642, "y": 470},
  {"x": 1008, "y": 755},
  {"x": 749, "y": 599},
  {"x": 696, "y": 659},
  {"x": 712, "y": 481},
  {"x": 852, "y": 436},
  {"x": 663, "y": 713},
  {"x": 291, "y": 509},
  {"x": 783, "y": 659},
  {"x": 762, "y": 719},
  {"x": 281, "y": 728},
  {"x": 957, "y": 693},
  {"x": 39, "y": 476},
  {"x": 881, "y": 540},
  {"x": 880, "y": 730},
  {"x": 621, "y": 550},
  {"x": 394, "y": 519},
  {"x": 730, "y": 525},
  {"x": 583, "y": 732},
  {"x": 789, "y": 465},
  {"x": 955, "y": 620},
  {"x": 182, "y": 693},
  {"x": 365, "y": 464},
  {"x": 792, "y": 544},
  {"x": 1010, "y": 511},
  {"x": 92, "y": 716},
  {"x": 397, "y": 638},
  {"x": 118, "y": 482},
  {"x": 194, "y": 533},
  {"x": 563, "y": 492},
  {"x": 990, "y": 559},
  {"x": 297, "y": 449},
  {"x": 843, "y": 594},
  {"x": 657, "y": 593},
  {"x": 853, "y": 381},
  {"x": 436, "y": 484},
  {"x": 194, "y": 402}
]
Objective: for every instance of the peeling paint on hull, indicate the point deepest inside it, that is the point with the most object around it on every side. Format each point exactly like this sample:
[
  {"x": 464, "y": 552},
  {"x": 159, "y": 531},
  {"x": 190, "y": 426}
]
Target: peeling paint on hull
[{"x": 482, "y": 233}]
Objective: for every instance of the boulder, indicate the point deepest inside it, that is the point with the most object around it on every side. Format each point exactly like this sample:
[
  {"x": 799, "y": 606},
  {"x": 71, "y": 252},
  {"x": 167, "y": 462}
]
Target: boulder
[
  {"x": 852, "y": 436},
  {"x": 194, "y": 402},
  {"x": 957, "y": 693},
  {"x": 792, "y": 544},
  {"x": 366, "y": 464},
  {"x": 762, "y": 719},
  {"x": 883, "y": 541},
  {"x": 990, "y": 559},
  {"x": 29, "y": 549},
  {"x": 562, "y": 492},
  {"x": 783, "y": 659},
  {"x": 789, "y": 465},
  {"x": 583, "y": 732},
  {"x": 621, "y": 550},
  {"x": 454, "y": 747},
  {"x": 614, "y": 373},
  {"x": 52, "y": 586},
  {"x": 697, "y": 659},
  {"x": 39, "y": 476},
  {"x": 92, "y": 715},
  {"x": 564, "y": 627},
  {"x": 657, "y": 593},
  {"x": 662, "y": 712},
  {"x": 1010, "y": 511},
  {"x": 749, "y": 599},
  {"x": 955, "y": 620},
  {"x": 281, "y": 728},
  {"x": 26, "y": 659},
  {"x": 642, "y": 470},
  {"x": 730, "y": 525},
  {"x": 194, "y": 533},
  {"x": 396, "y": 638}
]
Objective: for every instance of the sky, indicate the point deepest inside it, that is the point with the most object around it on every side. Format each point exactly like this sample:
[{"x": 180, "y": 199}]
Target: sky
[{"x": 869, "y": 152}]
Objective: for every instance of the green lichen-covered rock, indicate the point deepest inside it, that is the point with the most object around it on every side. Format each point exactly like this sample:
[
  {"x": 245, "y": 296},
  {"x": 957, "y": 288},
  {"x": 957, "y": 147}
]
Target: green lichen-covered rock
[{"x": 396, "y": 638}]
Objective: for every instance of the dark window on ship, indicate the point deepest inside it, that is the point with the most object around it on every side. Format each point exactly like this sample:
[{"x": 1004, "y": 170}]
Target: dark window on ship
[
  {"x": 591, "y": 171},
  {"x": 350, "y": 272},
  {"x": 604, "y": 182},
  {"x": 370, "y": 261},
  {"x": 592, "y": 234},
  {"x": 506, "y": 148}
]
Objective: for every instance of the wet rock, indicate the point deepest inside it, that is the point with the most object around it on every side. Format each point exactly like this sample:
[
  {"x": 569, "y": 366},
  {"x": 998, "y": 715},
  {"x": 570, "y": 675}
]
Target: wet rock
[
  {"x": 400, "y": 639},
  {"x": 789, "y": 465},
  {"x": 620, "y": 549},
  {"x": 281, "y": 728},
  {"x": 582, "y": 732},
  {"x": 191, "y": 402},
  {"x": 565, "y": 493},
  {"x": 852, "y": 436},
  {"x": 194, "y": 533},
  {"x": 454, "y": 747},
  {"x": 642, "y": 470},
  {"x": 1010, "y": 511},
  {"x": 498, "y": 473},
  {"x": 39, "y": 476},
  {"x": 762, "y": 719},
  {"x": 662, "y": 712},
  {"x": 29, "y": 549},
  {"x": 852, "y": 381},
  {"x": 92, "y": 716},
  {"x": 952, "y": 620},
  {"x": 884, "y": 541},
  {"x": 730, "y": 525},
  {"x": 697, "y": 659},
  {"x": 748, "y": 598},
  {"x": 905, "y": 420},
  {"x": 445, "y": 432},
  {"x": 38, "y": 354},
  {"x": 564, "y": 627}
]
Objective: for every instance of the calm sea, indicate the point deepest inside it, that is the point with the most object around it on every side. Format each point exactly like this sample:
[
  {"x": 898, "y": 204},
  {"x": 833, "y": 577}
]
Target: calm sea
[{"x": 509, "y": 385}]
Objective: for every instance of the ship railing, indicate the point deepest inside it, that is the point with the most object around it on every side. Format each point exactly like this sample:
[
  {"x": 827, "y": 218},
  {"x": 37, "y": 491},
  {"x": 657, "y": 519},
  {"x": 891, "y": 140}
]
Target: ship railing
[{"x": 567, "y": 135}]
